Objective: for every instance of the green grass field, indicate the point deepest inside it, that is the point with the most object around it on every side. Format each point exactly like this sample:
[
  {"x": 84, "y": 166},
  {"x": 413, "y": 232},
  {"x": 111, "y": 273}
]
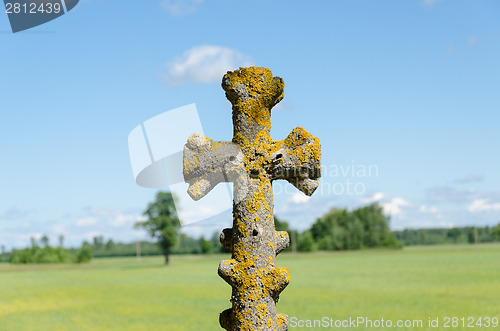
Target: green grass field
[{"x": 124, "y": 294}]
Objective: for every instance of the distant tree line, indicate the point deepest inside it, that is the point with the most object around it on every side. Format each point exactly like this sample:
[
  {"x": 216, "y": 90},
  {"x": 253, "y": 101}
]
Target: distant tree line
[
  {"x": 41, "y": 252},
  {"x": 339, "y": 229},
  {"x": 184, "y": 245},
  {"x": 436, "y": 236},
  {"x": 99, "y": 247}
]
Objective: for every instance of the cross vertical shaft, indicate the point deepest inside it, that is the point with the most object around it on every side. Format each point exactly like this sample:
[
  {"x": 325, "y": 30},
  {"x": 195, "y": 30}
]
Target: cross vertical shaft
[{"x": 252, "y": 161}]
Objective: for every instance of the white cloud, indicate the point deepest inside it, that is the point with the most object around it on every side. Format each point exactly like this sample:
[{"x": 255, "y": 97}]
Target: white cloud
[
  {"x": 394, "y": 206},
  {"x": 450, "y": 194},
  {"x": 480, "y": 205},
  {"x": 190, "y": 215},
  {"x": 376, "y": 197},
  {"x": 121, "y": 219},
  {"x": 180, "y": 7},
  {"x": 204, "y": 64},
  {"x": 36, "y": 236},
  {"x": 141, "y": 218},
  {"x": 209, "y": 225},
  {"x": 105, "y": 218},
  {"x": 300, "y": 215},
  {"x": 299, "y": 198},
  {"x": 59, "y": 228},
  {"x": 425, "y": 209},
  {"x": 86, "y": 221}
]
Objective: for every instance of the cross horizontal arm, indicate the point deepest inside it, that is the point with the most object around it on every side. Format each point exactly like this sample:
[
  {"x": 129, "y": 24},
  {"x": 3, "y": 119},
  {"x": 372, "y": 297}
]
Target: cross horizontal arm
[
  {"x": 208, "y": 163},
  {"x": 298, "y": 161}
]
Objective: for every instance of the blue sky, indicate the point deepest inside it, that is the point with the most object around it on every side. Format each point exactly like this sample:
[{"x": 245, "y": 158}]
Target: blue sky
[{"x": 406, "y": 88}]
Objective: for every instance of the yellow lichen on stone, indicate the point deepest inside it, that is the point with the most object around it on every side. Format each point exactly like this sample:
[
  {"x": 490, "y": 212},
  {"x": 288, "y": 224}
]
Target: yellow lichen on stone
[
  {"x": 217, "y": 144},
  {"x": 269, "y": 322},
  {"x": 259, "y": 83},
  {"x": 190, "y": 164},
  {"x": 303, "y": 145},
  {"x": 241, "y": 139},
  {"x": 195, "y": 189},
  {"x": 262, "y": 309},
  {"x": 256, "y": 282},
  {"x": 263, "y": 91},
  {"x": 259, "y": 198},
  {"x": 241, "y": 227},
  {"x": 281, "y": 320}
]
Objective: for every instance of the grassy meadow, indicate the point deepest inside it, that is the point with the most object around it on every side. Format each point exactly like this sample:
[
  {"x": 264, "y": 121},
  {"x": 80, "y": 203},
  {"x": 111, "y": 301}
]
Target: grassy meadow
[{"x": 126, "y": 294}]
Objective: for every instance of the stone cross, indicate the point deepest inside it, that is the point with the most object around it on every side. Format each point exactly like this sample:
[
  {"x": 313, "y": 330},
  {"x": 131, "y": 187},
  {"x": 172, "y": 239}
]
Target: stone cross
[{"x": 251, "y": 162}]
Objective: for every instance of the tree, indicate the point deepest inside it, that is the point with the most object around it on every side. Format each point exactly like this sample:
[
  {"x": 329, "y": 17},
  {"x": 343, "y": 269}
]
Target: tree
[
  {"x": 61, "y": 240},
  {"x": 472, "y": 234},
  {"x": 217, "y": 246},
  {"x": 306, "y": 242},
  {"x": 454, "y": 234},
  {"x": 110, "y": 245},
  {"x": 341, "y": 229},
  {"x": 495, "y": 232},
  {"x": 45, "y": 240},
  {"x": 162, "y": 222},
  {"x": 84, "y": 254},
  {"x": 206, "y": 246},
  {"x": 34, "y": 243},
  {"x": 3, "y": 253},
  {"x": 329, "y": 231},
  {"x": 281, "y": 225},
  {"x": 98, "y": 242}
]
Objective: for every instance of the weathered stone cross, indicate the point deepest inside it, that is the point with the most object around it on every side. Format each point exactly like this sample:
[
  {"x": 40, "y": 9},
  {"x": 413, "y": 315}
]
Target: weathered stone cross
[{"x": 252, "y": 161}]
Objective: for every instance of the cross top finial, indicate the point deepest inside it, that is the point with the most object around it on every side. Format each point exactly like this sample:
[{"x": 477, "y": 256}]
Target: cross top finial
[
  {"x": 253, "y": 92},
  {"x": 257, "y": 83}
]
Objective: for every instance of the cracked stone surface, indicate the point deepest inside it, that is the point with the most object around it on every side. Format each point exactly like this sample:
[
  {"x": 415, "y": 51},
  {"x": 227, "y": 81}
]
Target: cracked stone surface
[{"x": 252, "y": 161}]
